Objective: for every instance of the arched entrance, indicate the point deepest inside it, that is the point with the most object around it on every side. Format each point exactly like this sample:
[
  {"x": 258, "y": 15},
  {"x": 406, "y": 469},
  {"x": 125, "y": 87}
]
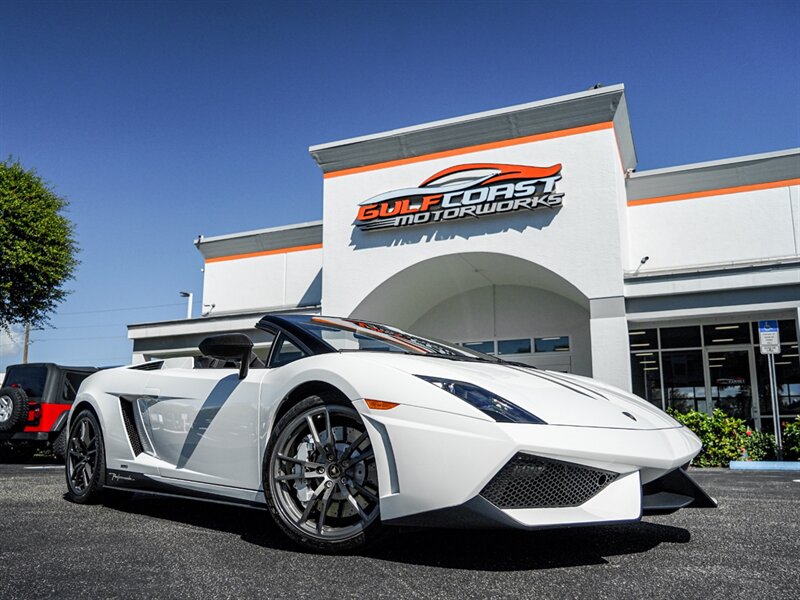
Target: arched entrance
[{"x": 510, "y": 306}]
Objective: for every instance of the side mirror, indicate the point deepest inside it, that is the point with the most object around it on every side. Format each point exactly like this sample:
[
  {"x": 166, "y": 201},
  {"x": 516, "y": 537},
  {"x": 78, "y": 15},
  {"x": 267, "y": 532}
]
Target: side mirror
[{"x": 229, "y": 346}]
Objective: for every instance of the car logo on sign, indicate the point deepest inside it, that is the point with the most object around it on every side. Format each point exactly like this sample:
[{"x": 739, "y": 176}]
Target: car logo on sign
[{"x": 471, "y": 190}]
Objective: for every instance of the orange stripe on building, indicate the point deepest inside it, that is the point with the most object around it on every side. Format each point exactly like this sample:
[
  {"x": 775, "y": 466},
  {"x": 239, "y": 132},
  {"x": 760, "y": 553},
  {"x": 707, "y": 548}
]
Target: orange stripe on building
[
  {"x": 264, "y": 253},
  {"x": 720, "y": 192},
  {"x": 477, "y": 148}
]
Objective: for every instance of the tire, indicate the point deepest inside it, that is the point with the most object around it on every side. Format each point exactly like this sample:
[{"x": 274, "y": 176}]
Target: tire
[
  {"x": 324, "y": 496},
  {"x": 60, "y": 445},
  {"x": 16, "y": 453},
  {"x": 13, "y": 409},
  {"x": 85, "y": 459}
]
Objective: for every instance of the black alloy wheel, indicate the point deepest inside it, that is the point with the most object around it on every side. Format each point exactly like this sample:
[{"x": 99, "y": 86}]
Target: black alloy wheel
[
  {"x": 85, "y": 459},
  {"x": 320, "y": 477}
]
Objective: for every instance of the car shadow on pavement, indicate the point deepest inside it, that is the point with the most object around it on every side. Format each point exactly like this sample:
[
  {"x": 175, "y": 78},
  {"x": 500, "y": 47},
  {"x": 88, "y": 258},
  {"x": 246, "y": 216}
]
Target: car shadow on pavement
[
  {"x": 483, "y": 550},
  {"x": 508, "y": 550}
]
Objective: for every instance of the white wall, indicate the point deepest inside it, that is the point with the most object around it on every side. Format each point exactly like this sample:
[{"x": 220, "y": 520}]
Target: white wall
[
  {"x": 716, "y": 229},
  {"x": 272, "y": 281},
  {"x": 581, "y": 242},
  {"x": 511, "y": 312}
]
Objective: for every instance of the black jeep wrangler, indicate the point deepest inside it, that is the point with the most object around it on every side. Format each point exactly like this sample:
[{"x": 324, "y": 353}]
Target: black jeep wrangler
[{"x": 34, "y": 403}]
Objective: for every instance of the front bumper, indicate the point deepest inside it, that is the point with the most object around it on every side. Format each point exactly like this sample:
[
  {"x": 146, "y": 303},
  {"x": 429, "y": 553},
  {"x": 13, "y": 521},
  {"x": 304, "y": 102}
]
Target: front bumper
[
  {"x": 431, "y": 461},
  {"x": 669, "y": 493}
]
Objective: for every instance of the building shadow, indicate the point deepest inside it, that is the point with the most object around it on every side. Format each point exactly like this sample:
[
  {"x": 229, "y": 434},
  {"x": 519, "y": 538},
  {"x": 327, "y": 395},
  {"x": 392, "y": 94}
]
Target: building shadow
[{"x": 491, "y": 551}]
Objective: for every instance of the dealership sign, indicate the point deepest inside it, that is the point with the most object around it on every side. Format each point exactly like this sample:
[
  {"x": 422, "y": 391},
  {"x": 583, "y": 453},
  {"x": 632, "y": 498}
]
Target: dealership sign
[{"x": 474, "y": 190}]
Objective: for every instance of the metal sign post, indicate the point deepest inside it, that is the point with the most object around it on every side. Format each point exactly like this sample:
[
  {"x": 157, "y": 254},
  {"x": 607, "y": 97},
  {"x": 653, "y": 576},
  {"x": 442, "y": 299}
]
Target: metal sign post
[{"x": 769, "y": 340}]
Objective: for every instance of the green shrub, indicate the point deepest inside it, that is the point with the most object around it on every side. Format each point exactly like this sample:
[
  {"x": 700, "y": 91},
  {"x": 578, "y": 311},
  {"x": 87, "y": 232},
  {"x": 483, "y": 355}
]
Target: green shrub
[
  {"x": 724, "y": 438},
  {"x": 791, "y": 439},
  {"x": 727, "y": 438},
  {"x": 760, "y": 445}
]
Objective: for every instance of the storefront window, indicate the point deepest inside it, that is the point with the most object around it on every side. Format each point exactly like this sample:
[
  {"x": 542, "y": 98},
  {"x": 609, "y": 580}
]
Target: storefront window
[
  {"x": 729, "y": 378},
  {"x": 787, "y": 373},
  {"x": 684, "y": 384},
  {"x": 731, "y": 333},
  {"x": 668, "y": 365},
  {"x": 552, "y": 344},
  {"x": 521, "y": 346},
  {"x": 643, "y": 339},
  {"x": 647, "y": 377},
  {"x": 485, "y": 347},
  {"x": 680, "y": 337}
]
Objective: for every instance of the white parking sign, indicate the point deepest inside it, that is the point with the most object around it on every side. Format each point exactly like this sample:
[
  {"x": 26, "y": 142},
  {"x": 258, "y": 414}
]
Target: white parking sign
[{"x": 769, "y": 337}]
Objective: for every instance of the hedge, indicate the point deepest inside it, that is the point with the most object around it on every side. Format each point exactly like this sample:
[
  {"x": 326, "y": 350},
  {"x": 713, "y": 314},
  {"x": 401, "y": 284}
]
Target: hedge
[{"x": 728, "y": 438}]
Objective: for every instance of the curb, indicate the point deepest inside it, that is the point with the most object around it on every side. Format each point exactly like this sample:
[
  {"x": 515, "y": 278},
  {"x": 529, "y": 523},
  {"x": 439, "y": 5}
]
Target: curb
[{"x": 765, "y": 465}]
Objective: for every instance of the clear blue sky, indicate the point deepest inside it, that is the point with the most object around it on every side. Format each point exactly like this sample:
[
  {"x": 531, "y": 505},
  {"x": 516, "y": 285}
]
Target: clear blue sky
[{"x": 160, "y": 121}]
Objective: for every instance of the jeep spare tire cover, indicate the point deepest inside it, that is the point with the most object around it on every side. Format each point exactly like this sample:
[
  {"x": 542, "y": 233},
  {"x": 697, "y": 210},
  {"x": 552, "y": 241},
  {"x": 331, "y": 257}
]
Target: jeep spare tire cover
[{"x": 13, "y": 409}]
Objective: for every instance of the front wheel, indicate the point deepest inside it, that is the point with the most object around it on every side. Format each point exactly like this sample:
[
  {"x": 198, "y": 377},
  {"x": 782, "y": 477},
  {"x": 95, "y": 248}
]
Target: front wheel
[
  {"x": 320, "y": 477},
  {"x": 85, "y": 459}
]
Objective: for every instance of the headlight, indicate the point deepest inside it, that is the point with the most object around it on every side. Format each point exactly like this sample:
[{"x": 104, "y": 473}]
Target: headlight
[{"x": 499, "y": 409}]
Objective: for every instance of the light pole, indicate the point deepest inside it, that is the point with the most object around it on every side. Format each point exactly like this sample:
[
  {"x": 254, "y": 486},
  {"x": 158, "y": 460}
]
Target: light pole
[{"x": 189, "y": 297}]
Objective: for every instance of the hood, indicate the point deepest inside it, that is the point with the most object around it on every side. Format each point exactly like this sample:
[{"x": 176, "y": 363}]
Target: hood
[{"x": 556, "y": 398}]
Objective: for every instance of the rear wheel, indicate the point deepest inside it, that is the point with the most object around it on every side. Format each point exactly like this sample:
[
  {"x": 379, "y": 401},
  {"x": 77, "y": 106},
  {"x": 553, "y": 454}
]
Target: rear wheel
[
  {"x": 85, "y": 459},
  {"x": 320, "y": 477}
]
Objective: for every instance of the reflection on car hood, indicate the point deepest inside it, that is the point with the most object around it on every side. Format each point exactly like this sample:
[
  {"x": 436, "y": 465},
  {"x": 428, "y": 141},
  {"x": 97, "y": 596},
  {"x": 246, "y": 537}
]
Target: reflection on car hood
[{"x": 557, "y": 398}]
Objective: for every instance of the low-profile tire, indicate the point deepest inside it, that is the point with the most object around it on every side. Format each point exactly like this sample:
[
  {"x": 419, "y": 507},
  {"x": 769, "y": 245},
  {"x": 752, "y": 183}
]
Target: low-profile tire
[
  {"x": 14, "y": 409},
  {"x": 85, "y": 459},
  {"x": 60, "y": 445},
  {"x": 320, "y": 477}
]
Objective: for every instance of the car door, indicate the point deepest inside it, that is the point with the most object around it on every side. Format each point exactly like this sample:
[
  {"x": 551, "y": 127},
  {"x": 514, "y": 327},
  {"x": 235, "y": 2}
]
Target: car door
[{"x": 203, "y": 425}]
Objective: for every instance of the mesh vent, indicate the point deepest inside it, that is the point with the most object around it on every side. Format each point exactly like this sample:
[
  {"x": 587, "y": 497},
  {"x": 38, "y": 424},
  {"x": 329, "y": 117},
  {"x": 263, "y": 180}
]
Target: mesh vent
[
  {"x": 130, "y": 426},
  {"x": 533, "y": 482}
]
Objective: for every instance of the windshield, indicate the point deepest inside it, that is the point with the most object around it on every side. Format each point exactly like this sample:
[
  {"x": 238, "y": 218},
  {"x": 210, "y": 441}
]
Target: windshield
[{"x": 349, "y": 335}]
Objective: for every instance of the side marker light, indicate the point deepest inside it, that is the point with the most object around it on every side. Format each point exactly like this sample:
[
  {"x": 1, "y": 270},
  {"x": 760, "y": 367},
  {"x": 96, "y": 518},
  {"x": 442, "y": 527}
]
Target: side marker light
[{"x": 380, "y": 404}]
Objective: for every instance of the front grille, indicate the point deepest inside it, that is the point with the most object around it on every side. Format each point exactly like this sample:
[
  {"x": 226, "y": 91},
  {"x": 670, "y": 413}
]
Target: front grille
[{"x": 533, "y": 482}]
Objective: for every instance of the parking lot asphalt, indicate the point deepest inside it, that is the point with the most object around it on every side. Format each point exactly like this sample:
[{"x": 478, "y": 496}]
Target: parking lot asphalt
[{"x": 150, "y": 546}]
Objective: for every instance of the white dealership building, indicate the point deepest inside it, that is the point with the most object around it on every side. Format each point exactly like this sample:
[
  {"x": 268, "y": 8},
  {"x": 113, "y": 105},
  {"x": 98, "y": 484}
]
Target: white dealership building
[{"x": 527, "y": 232}]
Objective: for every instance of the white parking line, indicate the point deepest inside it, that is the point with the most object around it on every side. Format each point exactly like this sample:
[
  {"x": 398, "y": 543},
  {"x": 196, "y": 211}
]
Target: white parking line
[
  {"x": 46, "y": 467},
  {"x": 796, "y": 480}
]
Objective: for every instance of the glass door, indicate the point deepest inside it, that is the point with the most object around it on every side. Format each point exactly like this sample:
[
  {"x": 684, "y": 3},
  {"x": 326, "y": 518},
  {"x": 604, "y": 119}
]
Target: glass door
[{"x": 729, "y": 381}]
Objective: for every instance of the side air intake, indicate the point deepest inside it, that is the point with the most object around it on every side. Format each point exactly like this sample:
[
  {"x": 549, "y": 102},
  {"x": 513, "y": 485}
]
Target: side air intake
[{"x": 130, "y": 426}]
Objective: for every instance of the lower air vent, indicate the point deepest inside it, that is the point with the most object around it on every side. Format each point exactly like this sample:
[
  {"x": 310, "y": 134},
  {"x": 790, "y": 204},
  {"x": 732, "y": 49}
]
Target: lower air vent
[
  {"x": 130, "y": 426},
  {"x": 533, "y": 482}
]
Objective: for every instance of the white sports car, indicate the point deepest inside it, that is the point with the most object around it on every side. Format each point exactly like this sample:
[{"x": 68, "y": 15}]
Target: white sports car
[{"x": 340, "y": 427}]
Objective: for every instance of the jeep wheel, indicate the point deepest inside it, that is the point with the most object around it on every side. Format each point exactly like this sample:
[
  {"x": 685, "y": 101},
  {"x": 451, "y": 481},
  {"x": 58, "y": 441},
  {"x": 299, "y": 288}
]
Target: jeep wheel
[
  {"x": 60, "y": 445},
  {"x": 85, "y": 462},
  {"x": 13, "y": 409}
]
